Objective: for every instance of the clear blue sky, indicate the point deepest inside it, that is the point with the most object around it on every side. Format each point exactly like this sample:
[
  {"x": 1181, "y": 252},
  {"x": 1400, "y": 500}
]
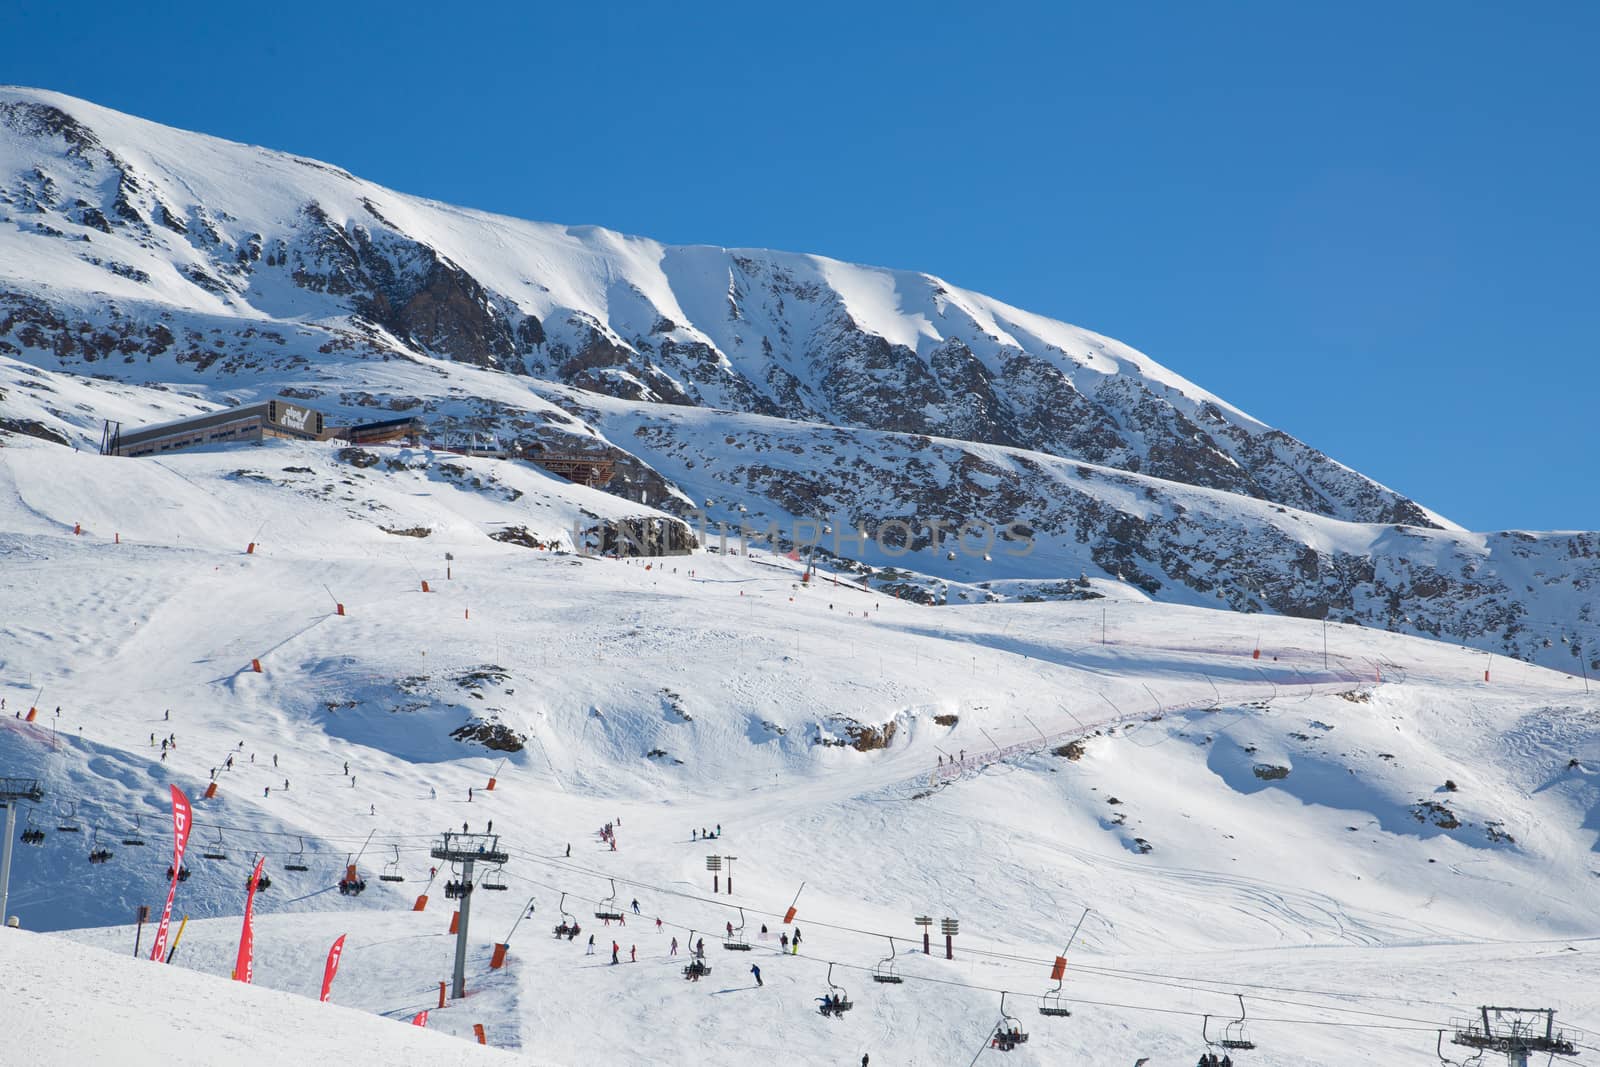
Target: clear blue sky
[{"x": 1374, "y": 225}]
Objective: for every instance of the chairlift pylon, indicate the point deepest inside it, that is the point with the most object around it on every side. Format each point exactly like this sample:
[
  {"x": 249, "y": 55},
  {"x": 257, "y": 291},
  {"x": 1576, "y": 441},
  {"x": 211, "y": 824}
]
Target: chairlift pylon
[
  {"x": 391, "y": 869},
  {"x": 607, "y": 909},
  {"x": 1008, "y": 1032},
  {"x": 134, "y": 838},
  {"x": 297, "y": 860},
  {"x": 884, "y": 971}
]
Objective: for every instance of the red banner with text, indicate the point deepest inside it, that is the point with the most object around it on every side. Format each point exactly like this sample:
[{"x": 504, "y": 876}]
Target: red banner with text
[
  {"x": 332, "y": 967},
  {"x": 244, "y": 967},
  {"x": 182, "y": 818}
]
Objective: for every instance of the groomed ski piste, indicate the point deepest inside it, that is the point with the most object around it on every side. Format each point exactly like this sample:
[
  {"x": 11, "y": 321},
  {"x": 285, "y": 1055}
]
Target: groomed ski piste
[{"x": 1362, "y": 835}]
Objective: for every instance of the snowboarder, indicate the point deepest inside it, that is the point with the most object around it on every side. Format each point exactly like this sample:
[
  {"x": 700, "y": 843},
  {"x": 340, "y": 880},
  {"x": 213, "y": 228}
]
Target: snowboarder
[{"x": 757, "y": 972}]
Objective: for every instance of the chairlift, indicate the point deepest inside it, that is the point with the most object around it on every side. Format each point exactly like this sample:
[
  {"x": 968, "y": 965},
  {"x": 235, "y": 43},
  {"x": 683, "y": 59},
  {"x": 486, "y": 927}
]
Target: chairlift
[
  {"x": 217, "y": 850},
  {"x": 31, "y": 834},
  {"x": 262, "y": 883},
  {"x": 391, "y": 869},
  {"x": 1050, "y": 1004},
  {"x": 836, "y": 1001},
  {"x": 1233, "y": 1035},
  {"x": 183, "y": 873},
  {"x": 697, "y": 968},
  {"x": 568, "y": 927},
  {"x": 607, "y": 910},
  {"x": 884, "y": 971},
  {"x": 735, "y": 941},
  {"x": 494, "y": 880},
  {"x": 1008, "y": 1032},
  {"x": 352, "y": 884},
  {"x": 66, "y": 822},
  {"x": 297, "y": 861},
  {"x": 133, "y": 840},
  {"x": 97, "y": 852}
]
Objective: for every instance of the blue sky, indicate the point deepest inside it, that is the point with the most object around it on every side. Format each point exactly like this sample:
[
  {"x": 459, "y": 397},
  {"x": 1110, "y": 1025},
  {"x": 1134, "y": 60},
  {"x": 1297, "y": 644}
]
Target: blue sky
[{"x": 1373, "y": 225}]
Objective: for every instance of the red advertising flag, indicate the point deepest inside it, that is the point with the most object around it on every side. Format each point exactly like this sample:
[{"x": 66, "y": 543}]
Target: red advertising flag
[
  {"x": 420, "y": 1018},
  {"x": 244, "y": 967},
  {"x": 181, "y": 821},
  {"x": 332, "y": 967}
]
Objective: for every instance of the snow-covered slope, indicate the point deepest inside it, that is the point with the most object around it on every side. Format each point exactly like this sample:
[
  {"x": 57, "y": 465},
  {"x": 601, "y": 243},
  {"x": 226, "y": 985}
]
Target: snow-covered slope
[
  {"x": 209, "y": 272},
  {"x": 1363, "y": 837},
  {"x": 73, "y": 1004}
]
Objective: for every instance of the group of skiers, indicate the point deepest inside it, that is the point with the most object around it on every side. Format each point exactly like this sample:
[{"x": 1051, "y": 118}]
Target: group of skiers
[{"x": 704, "y": 834}]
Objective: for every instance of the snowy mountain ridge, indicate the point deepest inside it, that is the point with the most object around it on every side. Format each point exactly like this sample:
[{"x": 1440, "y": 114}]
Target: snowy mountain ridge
[{"x": 142, "y": 260}]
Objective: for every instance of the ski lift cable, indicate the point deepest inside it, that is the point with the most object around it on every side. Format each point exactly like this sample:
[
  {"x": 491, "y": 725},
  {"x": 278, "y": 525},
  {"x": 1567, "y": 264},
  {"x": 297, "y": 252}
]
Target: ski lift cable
[{"x": 1398, "y": 1023}]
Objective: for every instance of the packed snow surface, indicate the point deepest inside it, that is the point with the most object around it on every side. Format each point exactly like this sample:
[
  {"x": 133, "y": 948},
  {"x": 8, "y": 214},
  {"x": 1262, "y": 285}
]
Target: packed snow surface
[{"x": 1364, "y": 838}]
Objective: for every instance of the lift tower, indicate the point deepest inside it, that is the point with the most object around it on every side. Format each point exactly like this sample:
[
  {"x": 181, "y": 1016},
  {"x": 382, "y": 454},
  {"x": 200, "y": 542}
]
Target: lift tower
[{"x": 466, "y": 850}]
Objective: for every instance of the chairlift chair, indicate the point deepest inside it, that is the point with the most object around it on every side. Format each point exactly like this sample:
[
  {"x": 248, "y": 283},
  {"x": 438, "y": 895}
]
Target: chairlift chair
[
  {"x": 217, "y": 850},
  {"x": 735, "y": 941},
  {"x": 391, "y": 870},
  {"x": 31, "y": 834},
  {"x": 134, "y": 840},
  {"x": 884, "y": 971},
  {"x": 66, "y": 823},
  {"x": 97, "y": 852},
  {"x": 1050, "y": 1004},
  {"x": 607, "y": 908},
  {"x": 183, "y": 873},
  {"x": 568, "y": 922},
  {"x": 836, "y": 1001},
  {"x": 494, "y": 880},
  {"x": 1008, "y": 1032},
  {"x": 1233, "y": 1035},
  {"x": 297, "y": 861},
  {"x": 352, "y": 884}
]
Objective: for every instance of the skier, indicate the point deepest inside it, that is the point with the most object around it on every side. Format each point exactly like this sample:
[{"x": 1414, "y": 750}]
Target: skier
[
  {"x": 463, "y": 827},
  {"x": 763, "y": 931},
  {"x": 286, "y": 783},
  {"x": 266, "y": 790},
  {"x": 469, "y": 794},
  {"x": 372, "y": 809},
  {"x": 783, "y": 943},
  {"x": 730, "y": 931},
  {"x": 490, "y": 830},
  {"x": 569, "y": 849},
  {"x": 863, "y": 1059},
  {"x": 274, "y": 761},
  {"x": 658, "y": 924},
  {"x": 636, "y": 905},
  {"x": 674, "y": 951},
  {"x": 433, "y": 794},
  {"x": 757, "y": 972},
  {"x": 633, "y": 953},
  {"x": 796, "y": 942},
  {"x": 693, "y": 833},
  {"x": 615, "y": 948},
  {"x": 346, "y": 762},
  {"x": 700, "y": 948},
  {"x": 352, "y": 781},
  {"x": 590, "y": 951}
]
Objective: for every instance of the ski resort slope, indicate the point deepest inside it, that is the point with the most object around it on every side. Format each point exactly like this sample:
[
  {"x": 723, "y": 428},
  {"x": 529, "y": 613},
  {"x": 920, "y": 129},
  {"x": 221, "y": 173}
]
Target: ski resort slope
[
  {"x": 1364, "y": 838},
  {"x": 83, "y": 1005}
]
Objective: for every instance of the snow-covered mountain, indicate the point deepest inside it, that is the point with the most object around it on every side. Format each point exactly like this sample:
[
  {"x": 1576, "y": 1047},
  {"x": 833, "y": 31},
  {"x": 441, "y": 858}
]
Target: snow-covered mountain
[{"x": 152, "y": 272}]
